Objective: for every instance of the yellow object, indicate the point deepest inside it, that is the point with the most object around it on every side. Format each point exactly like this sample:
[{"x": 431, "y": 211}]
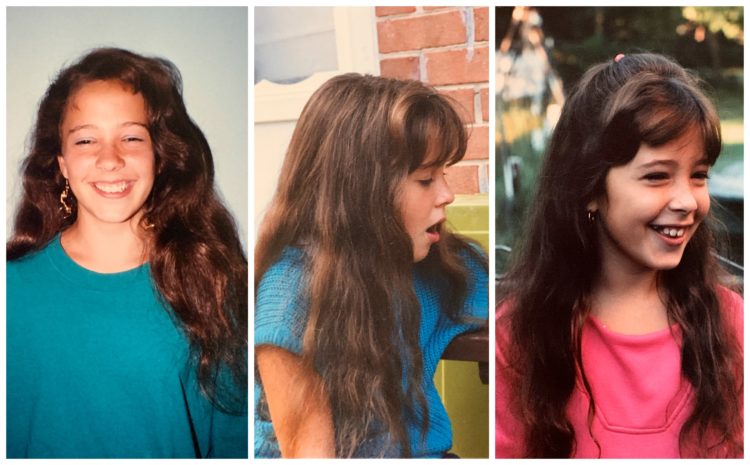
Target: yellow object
[{"x": 465, "y": 397}]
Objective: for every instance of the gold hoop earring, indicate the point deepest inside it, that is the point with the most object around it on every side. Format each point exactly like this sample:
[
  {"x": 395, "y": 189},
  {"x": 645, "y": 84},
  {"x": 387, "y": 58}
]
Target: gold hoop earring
[
  {"x": 66, "y": 207},
  {"x": 591, "y": 215}
]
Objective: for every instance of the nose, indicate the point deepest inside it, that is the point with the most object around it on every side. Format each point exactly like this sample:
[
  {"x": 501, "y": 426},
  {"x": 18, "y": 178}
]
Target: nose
[
  {"x": 109, "y": 158},
  {"x": 445, "y": 195},
  {"x": 683, "y": 198}
]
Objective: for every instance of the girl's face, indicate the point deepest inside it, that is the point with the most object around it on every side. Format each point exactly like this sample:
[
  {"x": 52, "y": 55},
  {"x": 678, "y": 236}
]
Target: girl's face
[
  {"x": 653, "y": 205},
  {"x": 107, "y": 155},
  {"x": 422, "y": 199}
]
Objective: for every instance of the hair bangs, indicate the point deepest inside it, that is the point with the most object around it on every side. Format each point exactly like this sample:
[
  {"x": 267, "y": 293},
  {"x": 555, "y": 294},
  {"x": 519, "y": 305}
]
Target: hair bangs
[
  {"x": 434, "y": 133},
  {"x": 655, "y": 111},
  {"x": 683, "y": 112}
]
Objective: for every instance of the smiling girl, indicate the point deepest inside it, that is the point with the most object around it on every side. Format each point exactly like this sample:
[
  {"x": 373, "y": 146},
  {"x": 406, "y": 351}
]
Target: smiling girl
[
  {"x": 615, "y": 335},
  {"x": 126, "y": 280},
  {"x": 359, "y": 285}
]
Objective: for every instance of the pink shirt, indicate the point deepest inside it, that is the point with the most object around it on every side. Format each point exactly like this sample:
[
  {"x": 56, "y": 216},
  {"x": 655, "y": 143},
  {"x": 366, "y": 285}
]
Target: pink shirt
[{"x": 642, "y": 400}]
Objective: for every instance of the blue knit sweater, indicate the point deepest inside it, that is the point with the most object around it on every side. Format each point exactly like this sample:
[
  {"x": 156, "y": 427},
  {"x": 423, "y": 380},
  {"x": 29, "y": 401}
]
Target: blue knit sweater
[
  {"x": 280, "y": 318},
  {"x": 96, "y": 367}
]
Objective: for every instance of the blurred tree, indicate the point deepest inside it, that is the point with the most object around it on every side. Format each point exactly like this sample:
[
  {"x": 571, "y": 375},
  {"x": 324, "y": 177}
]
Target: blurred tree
[
  {"x": 706, "y": 23},
  {"x": 581, "y": 36}
]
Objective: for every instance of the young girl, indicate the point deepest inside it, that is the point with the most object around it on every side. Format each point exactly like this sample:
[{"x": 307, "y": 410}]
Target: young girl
[
  {"x": 615, "y": 336},
  {"x": 359, "y": 286},
  {"x": 126, "y": 279}
]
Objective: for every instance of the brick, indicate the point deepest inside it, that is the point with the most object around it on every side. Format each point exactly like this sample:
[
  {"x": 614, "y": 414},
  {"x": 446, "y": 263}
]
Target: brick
[
  {"x": 418, "y": 32},
  {"x": 393, "y": 10},
  {"x": 463, "y": 100},
  {"x": 433, "y": 8},
  {"x": 463, "y": 179},
  {"x": 457, "y": 66},
  {"x": 400, "y": 68},
  {"x": 484, "y": 99},
  {"x": 481, "y": 24},
  {"x": 478, "y": 147}
]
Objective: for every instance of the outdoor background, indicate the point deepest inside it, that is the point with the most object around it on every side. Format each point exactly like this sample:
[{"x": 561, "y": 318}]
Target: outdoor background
[
  {"x": 298, "y": 49},
  {"x": 541, "y": 52}
]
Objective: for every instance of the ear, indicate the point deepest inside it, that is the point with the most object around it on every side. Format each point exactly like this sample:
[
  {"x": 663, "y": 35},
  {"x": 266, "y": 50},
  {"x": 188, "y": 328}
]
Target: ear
[
  {"x": 63, "y": 166},
  {"x": 592, "y": 206}
]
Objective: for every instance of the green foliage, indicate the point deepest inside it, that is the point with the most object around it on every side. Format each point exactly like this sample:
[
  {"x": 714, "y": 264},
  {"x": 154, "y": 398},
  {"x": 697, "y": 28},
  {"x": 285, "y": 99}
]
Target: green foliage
[
  {"x": 727, "y": 20},
  {"x": 578, "y": 37},
  {"x": 581, "y": 36}
]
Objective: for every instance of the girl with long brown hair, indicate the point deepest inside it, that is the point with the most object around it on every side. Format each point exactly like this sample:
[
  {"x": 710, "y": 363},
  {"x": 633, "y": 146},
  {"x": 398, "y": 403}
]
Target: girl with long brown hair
[
  {"x": 615, "y": 335},
  {"x": 126, "y": 278},
  {"x": 359, "y": 285}
]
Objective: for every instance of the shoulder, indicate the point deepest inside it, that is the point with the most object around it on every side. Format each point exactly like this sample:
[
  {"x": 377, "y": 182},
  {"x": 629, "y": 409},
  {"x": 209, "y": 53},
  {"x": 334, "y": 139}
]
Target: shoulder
[
  {"x": 284, "y": 276},
  {"x": 475, "y": 261},
  {"x": 280, "y": 302},
  {"x": 730, "y": 301},
  {"x": 28, "y": 265},
  {"x": 502, "y": 332},
  {"x": 509, "y": 431},
  {"x": 733, "y": 306}
]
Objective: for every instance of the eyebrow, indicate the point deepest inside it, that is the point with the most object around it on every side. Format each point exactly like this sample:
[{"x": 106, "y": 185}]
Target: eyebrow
[
  {"x": 93, "y": 126},
  {"x": 652, "y": 164}
]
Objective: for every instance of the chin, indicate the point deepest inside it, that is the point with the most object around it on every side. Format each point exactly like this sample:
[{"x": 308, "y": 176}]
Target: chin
[
  {"x": 421, "y": 255},
  {"x": 666, "y": 264},
  {"x": 114, "y": 217}
]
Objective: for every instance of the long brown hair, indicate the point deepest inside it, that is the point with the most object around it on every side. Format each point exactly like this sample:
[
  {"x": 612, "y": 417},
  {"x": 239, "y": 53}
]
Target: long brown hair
[
  {"x": 614, "y": 108},
  {"x": 357, "y": 139},
  {"x": 197, "y": 261}
]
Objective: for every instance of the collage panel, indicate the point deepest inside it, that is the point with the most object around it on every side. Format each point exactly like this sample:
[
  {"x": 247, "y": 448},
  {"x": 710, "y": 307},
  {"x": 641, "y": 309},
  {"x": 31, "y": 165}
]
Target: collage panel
[
  {"x": 126, "y": 273},
  {"x": 372, "y": 226},
  {"x": 619, "y": 232}
]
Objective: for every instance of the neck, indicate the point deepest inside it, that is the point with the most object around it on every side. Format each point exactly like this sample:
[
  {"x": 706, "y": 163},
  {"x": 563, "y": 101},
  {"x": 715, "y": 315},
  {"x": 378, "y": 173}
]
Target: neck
[
  {"x": 106, "y": 247},
  {"x": 623, "y": 280},
  {"x": 628, "y": 299}
]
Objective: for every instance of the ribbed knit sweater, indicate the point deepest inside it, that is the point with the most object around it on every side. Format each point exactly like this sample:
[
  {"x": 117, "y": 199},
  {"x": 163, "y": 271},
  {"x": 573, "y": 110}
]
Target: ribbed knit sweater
[{"x": 280, "y": 318}]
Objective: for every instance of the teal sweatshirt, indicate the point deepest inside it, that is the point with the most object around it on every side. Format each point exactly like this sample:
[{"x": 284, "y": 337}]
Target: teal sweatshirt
[{"x": 96, "y": 367}]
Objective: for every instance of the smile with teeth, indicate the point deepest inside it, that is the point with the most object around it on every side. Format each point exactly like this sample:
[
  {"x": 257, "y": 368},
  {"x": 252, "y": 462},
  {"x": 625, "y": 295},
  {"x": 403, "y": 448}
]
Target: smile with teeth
[
  {"x": 112, "y": 187},
  {"x": 669, "y": 232}
]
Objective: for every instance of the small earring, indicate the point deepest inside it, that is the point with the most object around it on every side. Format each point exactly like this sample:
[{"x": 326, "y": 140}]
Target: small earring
[
  {"x": 66, "y": 207},
  {"x": 591, "y": 215}
]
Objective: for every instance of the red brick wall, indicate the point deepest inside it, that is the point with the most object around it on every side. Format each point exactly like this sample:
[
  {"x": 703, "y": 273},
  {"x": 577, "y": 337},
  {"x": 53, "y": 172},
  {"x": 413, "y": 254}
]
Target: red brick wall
[{"x": 448, "y": 48}]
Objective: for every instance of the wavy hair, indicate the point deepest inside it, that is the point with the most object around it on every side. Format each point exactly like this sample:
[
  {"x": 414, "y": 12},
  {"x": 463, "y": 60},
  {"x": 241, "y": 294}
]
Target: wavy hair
[
  {"x": 196, "y": 258},
  {"x": 356, "y": 141},
  {"x": 614, "y": 108}
]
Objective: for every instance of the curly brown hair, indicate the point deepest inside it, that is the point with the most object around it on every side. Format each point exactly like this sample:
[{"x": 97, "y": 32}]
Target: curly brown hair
[
  {"x": 197, "y": 260},
  {"x": 613, "y": 109},
  {"x": 356, "y": 141}
]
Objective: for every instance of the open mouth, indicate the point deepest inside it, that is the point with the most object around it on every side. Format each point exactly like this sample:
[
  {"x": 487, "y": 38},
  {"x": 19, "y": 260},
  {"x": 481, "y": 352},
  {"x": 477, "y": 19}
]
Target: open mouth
[
  {"x": 669, "y": 231},
  {"x": 433, "y": 232},
  {"x": 112, "y": 187}
]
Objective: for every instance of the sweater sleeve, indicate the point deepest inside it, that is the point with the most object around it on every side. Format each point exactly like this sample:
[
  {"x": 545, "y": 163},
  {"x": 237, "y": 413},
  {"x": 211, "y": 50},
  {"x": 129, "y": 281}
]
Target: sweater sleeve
[
  {"x": 476, "y": 304},
  {"x": 509, "y": 434},
  {"x": 280, "y": 305}
]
